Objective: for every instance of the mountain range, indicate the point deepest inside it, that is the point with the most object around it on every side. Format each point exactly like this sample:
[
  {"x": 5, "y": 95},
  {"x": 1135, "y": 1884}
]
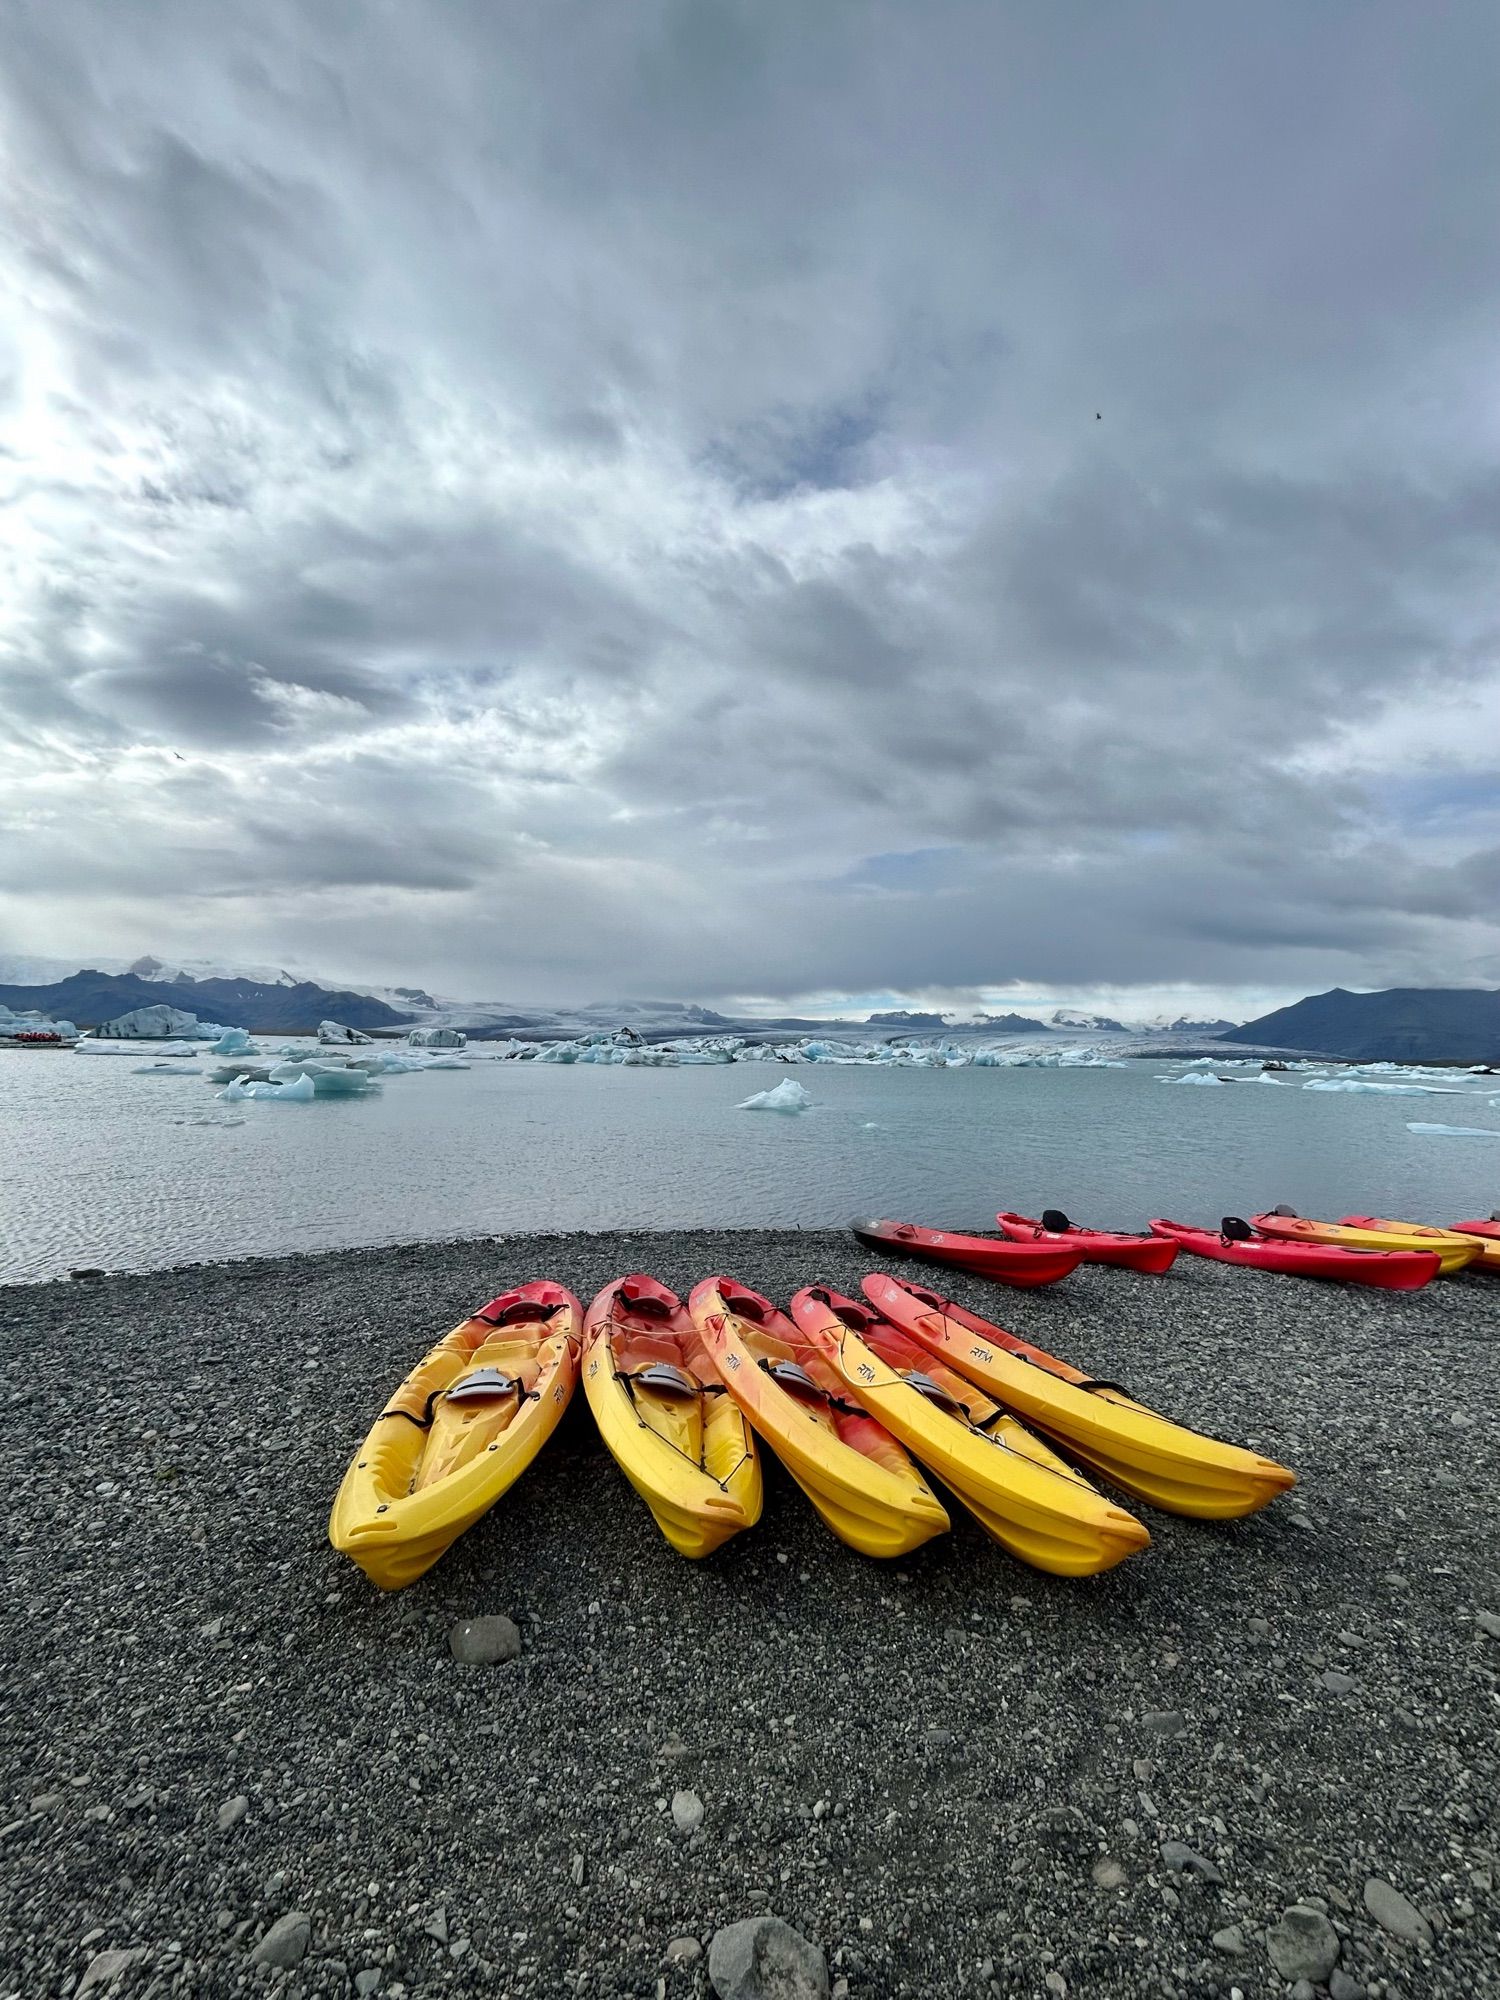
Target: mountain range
[
  {"x": 1453, "y": 1024},
  {"x": 89, "y": 997}
]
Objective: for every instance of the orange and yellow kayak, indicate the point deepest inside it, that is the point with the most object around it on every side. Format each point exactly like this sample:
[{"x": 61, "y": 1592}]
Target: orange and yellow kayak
[
  {"x": 1289, "y": 1227},
  {"x": 1181, "y": 1471},
  {"x": 1487, "y": 1252},
  {"x": 863, "y": 1483}
]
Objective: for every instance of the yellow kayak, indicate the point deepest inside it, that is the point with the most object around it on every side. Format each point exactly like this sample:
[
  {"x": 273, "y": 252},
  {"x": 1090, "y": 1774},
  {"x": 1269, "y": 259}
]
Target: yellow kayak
[
  {"x": 463, "y": 1426},
  {"x": 1290, "y": 1227},
  {"x": 858, "y": 1477},
  {"x": 1486, "y": 1248},
  {"x": 662, "y": 1409},
  {"x": 1179, "y": 1470},
  {"x": 1020, "y": 1492}
]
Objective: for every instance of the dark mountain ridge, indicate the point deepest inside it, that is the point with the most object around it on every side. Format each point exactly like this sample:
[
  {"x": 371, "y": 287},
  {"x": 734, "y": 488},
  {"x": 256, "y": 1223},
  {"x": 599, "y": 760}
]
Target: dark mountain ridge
[
  {"x": 1445, "y": 1024},
  {"x": 88, "y": 998}
]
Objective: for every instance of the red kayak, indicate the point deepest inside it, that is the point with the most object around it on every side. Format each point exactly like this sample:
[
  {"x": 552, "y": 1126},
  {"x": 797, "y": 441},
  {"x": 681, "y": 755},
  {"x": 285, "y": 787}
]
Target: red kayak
[
  {"x": 1491, "y": 1228},
  {"x": 1099, "y": 1246},
  {"x": 1391, "y": 1270},
  {"x": 986, "y": 1256}
]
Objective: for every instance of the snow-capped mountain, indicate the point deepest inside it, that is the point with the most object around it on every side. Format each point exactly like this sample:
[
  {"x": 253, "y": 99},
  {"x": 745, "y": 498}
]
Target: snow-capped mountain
[{"x": 1072, "y": 1017}]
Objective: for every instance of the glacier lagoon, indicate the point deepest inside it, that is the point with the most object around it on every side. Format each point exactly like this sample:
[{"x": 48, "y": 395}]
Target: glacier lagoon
[{"x": 110, "y": 1168}]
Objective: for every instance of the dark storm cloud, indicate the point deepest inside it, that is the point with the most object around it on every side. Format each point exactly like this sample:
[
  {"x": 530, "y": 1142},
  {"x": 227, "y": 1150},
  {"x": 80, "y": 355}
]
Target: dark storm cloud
[{"x": 745, "y": 498}]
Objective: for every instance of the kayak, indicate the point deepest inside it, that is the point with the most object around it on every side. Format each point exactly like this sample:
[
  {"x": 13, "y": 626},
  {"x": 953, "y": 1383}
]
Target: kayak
[
  {"x": 1391, "y": 1270},
  {"x": 1292, "y": 1228},
  {"x": 663, "y": 1411},
  {"x": 1489, "y": 1229},
  {"x": 460, "y": 1430},
  {"x": 1099, "y": 1246},
  {"x": 861, "y": 1481},
  {"x": 1417, "y": 1234},
  {"x": 986, "y": 1256},
  {"x": 1020, "y": 1491},
  {"x": 1179, "y": 1470}
]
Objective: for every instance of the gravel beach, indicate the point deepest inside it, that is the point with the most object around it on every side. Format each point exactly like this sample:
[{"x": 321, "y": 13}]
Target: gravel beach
[{"x": 229, "y": 1761}]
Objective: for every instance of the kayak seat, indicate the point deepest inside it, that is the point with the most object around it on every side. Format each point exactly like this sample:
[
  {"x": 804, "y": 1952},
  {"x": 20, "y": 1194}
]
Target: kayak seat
[
  {"x": 1235, "y": 1229},
  {"x": 1054, "y": 1220}
]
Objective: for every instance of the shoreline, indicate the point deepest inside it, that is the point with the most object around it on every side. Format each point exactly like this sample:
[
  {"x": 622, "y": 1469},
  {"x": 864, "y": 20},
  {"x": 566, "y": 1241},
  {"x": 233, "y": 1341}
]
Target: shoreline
[{"x": 1002, "y": 1759}]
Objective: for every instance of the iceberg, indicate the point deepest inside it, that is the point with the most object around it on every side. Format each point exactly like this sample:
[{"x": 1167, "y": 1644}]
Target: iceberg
[
  {"x": 437, "y": 1038},
  {"x": 1197, "y": 1076},
  {"x": 298, "y": 1092},
  {"x": 334, "y": 1033},
  {"x": 788, "y": 1096},
  {"x": 1455, "y": 1131},
  {"x": 167, "y": 1069},
  {"x": 1363, "y": 1083}
]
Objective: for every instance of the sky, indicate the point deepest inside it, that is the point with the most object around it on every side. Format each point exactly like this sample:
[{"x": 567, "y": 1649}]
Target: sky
[{"x": 735, "y": 500}]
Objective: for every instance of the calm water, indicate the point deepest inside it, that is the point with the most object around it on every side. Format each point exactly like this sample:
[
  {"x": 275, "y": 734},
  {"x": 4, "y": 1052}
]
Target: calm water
[{"x": 103, "y": 1167}]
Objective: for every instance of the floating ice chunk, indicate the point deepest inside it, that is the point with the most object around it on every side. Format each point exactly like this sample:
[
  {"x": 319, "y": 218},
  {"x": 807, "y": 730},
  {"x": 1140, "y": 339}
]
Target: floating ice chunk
[
  {"x": 332, "y": 1033},
  {"x": 1363, "y": 1083},
  {"x": 437, "y": 1038},
  {"x": 1455, "y": 1131},
  {"x": 787, "y": 1096},
  {"x": 1196, "y": 1076},
  {"x": 167, "y": 1069},
  {"x": 234, "y": 1042},
  {"x": 299, "y": 1091}
]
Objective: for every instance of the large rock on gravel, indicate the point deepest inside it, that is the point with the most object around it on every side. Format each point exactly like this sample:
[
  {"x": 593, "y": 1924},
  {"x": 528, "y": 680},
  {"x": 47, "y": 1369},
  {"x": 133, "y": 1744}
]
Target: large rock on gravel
[
  {"x": 1304, "y": 1945},
  {"x": 761, "y": 1958},
  {"x": 105, "y": 1967},
  {"x": 1393, "y": 1913},
  {"x": 485, "y": 1642},
  {"x": 285, "y": 1943}
]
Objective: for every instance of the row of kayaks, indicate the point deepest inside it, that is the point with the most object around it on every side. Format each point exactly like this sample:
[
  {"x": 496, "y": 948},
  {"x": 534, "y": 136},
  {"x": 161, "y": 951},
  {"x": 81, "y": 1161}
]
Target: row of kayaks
[
  {"x": 869, "y": 1404},
  {"x": 1357, "y": 1250}
]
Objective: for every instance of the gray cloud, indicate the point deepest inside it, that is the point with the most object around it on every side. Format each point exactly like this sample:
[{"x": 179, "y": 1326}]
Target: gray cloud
[{"x": 613, "y": 501}]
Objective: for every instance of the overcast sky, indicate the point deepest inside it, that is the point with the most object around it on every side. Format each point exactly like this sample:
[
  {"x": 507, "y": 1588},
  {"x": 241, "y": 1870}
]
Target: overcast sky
[{"x": 758, "y": 499}]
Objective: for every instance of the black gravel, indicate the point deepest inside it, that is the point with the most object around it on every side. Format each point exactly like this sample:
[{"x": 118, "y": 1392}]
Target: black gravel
[{"x": 957, "y": 1775}]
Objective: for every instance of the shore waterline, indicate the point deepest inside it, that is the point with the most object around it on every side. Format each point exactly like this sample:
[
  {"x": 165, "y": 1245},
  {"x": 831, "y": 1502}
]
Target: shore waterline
[{"x": 119, "y": 1170}]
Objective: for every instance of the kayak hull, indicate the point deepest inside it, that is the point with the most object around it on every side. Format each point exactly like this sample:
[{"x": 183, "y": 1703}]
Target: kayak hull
[
  {"x": 864, "y": 1485},
  {"x": 1484, "y": 1253},
  {"x": 680, "y": 1439},
  {"x": 1021, "y": 1493},
  {"x": 453, "y": 1438},
  {"x": 1010, "y": 1263},
  {"x": 1153, "y": 1254},
  {"x": 1452, "y": 1256},
  {"x": 1165, "y": 1464},
  {"x": 1389, "y": 1271}
]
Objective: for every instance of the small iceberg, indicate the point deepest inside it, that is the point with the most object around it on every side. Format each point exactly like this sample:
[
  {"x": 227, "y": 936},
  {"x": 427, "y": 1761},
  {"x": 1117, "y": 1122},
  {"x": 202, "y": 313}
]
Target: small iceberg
[
  {"x": 298, "y": 1091},
  {"x": 167, "y": 1069},
  {"x": 788, "y": 1096},
  {"x": 1197, "y": 1076},
  {"x": 234, "y": 1042},
  {"x": 1455, "y": 1131},
  {"x": 1365, "y": 1084}
]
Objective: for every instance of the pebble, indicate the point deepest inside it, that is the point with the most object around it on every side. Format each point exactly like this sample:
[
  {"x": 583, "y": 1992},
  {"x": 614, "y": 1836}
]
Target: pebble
[
  {"x": 1342, "y": 1987},
  {"x": 684, "y": 1951},
  {"x": 762, "y": 1958},
  {"x": 1184, "y": 1860},
  {"x": 1164, "y": 1721},
  {"x": 1304, "y": 1945},
  {"x": 285, "y": 1943},
  {"x": 232, "y": 1812},
  {"x": 1108, "y": 1874},
  {"x": 1337, "y": 1683},
  {"x": 1056, "y": 1984},
  {"x": 368, "y": 1981},
  {"x": 1230, "y": 1941},
  {"x": 436, "y": 1925},
  {"x": 1488, "y": 1621},
  {"x": 687, "y": 1812},
  {"x": 1395, "y": 1914},
  {"x": 485, "y": 1642}
]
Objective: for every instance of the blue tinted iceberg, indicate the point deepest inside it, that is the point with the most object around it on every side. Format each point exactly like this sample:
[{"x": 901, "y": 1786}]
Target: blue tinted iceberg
[{"x": 787, "y": 1096}]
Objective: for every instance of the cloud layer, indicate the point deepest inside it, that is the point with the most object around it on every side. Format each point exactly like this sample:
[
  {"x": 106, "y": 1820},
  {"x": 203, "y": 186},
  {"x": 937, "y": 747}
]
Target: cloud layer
[{"x": 733, "y": 498}]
